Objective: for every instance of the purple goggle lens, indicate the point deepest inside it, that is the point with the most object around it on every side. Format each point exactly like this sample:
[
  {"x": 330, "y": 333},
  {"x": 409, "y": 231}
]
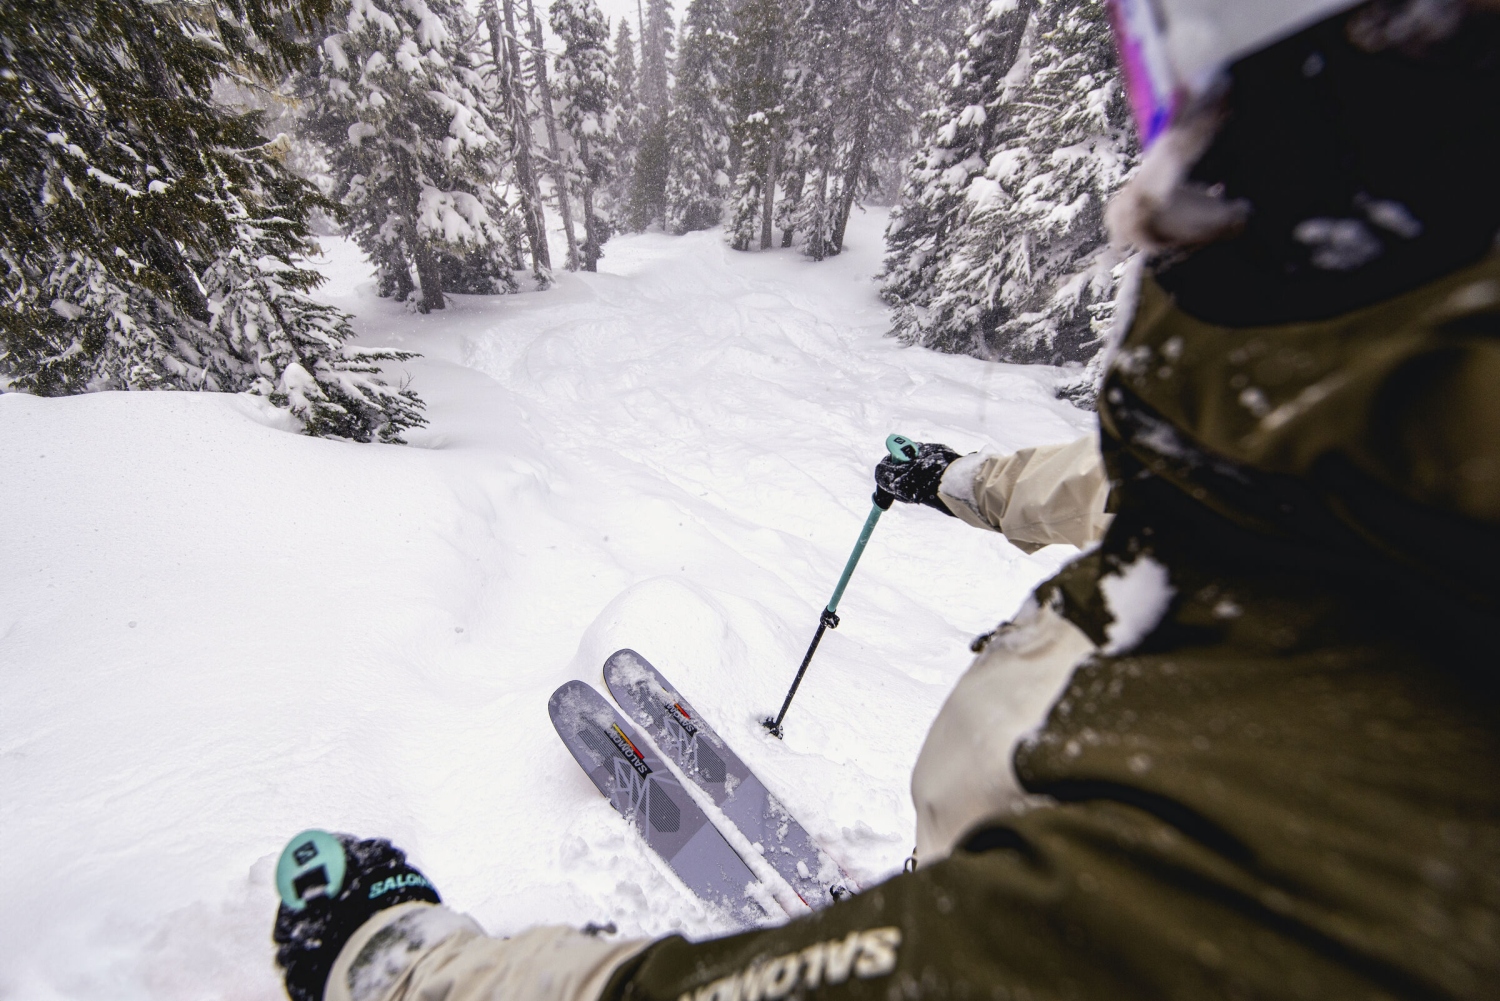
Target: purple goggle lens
[{"x": 1149, "y": 82}]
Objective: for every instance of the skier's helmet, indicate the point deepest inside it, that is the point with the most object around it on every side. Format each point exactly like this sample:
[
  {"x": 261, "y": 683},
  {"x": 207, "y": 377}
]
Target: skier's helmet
[{"x": 1173, "y": 50}]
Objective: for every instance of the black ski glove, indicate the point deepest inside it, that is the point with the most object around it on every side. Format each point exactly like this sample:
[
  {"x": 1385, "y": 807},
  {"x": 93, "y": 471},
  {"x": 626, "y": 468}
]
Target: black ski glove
[
  {"x": 916, "y": 481},
  {"x": 308, "y": 941}
]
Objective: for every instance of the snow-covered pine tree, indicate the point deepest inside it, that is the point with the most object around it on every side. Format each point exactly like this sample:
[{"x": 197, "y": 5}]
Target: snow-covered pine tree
[
  {"x": 149, "y": 237},
  {"x": 267, "y": 335},
  {"x": 583, "y": 85},
  {"x": 701, "y": 119},
  {"x": 556, "y": 155},
  {"x": 654, "y": 154},
  {"x": 998, "y": 248},
  {"x": 943, "y": 36},
  {"x": 960, "y": 137},
  {"x": 627, "y": 111},
  {"x": 854, "y": 76},
  {"x": 817, "y": 122},
  {"x": 505, "y": 55},
  {"x": 758, "y": 137},
  {"x": 656, "y": 56},
  {"x": 881, "y": 88},
  {"x": 401, "y": 106},
  {"x": 487, "y": 269}
]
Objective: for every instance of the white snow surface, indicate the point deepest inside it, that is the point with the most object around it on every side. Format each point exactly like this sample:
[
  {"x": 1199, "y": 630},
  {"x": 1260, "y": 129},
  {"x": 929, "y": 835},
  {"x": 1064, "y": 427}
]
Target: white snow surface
[{"x": 215, "y": 632}]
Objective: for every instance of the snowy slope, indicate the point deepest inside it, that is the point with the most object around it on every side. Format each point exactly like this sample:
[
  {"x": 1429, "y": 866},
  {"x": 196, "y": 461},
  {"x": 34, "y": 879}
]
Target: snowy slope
[{"x": 214, "y": 633}]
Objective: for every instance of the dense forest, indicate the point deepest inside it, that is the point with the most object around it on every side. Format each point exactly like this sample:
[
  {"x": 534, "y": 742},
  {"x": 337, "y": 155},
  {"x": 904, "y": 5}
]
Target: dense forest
[{"x": 168, "y": 166}]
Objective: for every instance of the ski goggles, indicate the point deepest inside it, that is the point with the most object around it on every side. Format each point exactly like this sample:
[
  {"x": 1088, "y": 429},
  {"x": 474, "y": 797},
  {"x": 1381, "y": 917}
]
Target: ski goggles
[
  {"x": 1150, "y": 85},
  {"x": 1160, "y": 72}
]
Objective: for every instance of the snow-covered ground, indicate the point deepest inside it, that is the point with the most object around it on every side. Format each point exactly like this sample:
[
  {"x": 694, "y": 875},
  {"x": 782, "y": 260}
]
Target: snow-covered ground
[{"x": 215, "y": 633}]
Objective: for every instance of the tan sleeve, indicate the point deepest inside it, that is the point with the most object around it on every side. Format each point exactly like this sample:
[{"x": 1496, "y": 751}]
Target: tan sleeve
[
  {"x": 419, "y": 952},
  {"x": 963, "y": 775},
  {"x": 1035, "y": 497}
]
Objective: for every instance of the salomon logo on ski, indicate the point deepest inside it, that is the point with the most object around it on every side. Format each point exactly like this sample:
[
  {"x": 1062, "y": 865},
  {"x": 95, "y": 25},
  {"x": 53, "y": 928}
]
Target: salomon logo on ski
[
  {"x": 687, "y": 738},
  {"x": 624, "y": 768},
  {"x": 675, "y": 710},
  {"x": 627, "y": 747}
]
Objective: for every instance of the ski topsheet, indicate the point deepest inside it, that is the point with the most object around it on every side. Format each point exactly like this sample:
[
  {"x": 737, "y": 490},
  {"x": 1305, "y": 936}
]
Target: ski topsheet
[
  {"x": 704, "y": 757},
  {"x": 645, "y": 792}
]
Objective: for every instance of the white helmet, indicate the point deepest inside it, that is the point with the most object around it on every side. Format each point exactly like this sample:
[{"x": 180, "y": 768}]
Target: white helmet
[{"x": 1171, "y": 50}]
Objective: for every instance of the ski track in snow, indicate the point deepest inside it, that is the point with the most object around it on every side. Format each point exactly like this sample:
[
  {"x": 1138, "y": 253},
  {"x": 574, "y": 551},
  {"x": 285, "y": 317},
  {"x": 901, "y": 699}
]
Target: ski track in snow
[{"x": 214, "y": 633}]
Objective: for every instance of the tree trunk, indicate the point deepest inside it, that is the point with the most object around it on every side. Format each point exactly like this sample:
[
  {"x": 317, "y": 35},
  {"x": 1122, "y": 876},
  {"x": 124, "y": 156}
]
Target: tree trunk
[
  {"x": 397, "y": 273},
  {"x": 429, "y": 275},
  {"x": 791, "y": 194},
  {"x": 640, "y": 16},
  {"x": 768, "y": 193},
  {"x": 861, "y": 146},
  {"x": 559, "y": 175},
  {"x": 508, "y": 67},
  {"x": 856, "y": 166},
  {"x": 592, "y": 245}
]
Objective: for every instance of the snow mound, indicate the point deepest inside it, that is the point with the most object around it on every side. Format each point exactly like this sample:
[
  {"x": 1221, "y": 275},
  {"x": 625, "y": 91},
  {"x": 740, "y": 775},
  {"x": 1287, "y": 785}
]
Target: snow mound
[{"x": 677, "y": 621}]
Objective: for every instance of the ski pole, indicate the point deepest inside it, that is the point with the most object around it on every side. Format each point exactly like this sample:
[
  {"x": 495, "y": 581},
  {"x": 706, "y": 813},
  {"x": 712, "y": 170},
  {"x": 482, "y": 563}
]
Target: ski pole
[{"x": 901, "y": 449}]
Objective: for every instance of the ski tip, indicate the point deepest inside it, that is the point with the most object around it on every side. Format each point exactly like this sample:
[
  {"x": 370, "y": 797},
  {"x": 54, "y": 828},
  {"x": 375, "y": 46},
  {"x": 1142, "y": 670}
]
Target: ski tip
[
  {"x": 565, "y": 693},
  {"x": 623, "y": 654},
  {"x": 625, "y": 663},
  {"x": 625, "y": 670}
]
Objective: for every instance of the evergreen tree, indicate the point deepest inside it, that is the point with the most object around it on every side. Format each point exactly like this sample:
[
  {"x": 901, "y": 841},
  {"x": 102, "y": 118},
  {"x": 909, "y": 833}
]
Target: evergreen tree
[
  {"x": 267, "y": 335},
  {"x": 880, "y": 88},
  {"x": 933, "y": 199},
  {"x": 701, "y": 119},
  {"x": 818, "y": 123},
  {"x": 656, "y": 57},
  {"x": 627, "y": 112},
  {"x": 403, "y": 109},
  {"x": 583, "y": 83},
  {"x": 998, "y": 247},
  {"x": 149, "y": 237},
  {"x": 1065, "y": 146},
  {"x": 505, "y": 55},
  {"x": 489, "y": 268},
  {"x": 758, "y": 136},
  {"x": 853, "y": 79},
  {"x": 654, "y": 155},
  {"x": 557, "y": 157}
]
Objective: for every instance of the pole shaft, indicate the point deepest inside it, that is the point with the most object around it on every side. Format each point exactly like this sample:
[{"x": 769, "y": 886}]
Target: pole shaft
[
  {"x": 859, "y": 549},
  {"x": 775, "y": 725},
  {"x": 828, "y": 618}
]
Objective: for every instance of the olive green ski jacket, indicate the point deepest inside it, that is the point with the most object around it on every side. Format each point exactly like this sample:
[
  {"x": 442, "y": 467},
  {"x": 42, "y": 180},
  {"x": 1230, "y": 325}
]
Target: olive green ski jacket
[{"x": 1274, "y": 768}]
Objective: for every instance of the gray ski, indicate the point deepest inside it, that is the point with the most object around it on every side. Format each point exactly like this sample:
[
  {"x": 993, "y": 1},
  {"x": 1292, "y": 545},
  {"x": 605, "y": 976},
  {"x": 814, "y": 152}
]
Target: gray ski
[
  {"x": 681, "y": 734},
  {"x": 645, "y": 792}
]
